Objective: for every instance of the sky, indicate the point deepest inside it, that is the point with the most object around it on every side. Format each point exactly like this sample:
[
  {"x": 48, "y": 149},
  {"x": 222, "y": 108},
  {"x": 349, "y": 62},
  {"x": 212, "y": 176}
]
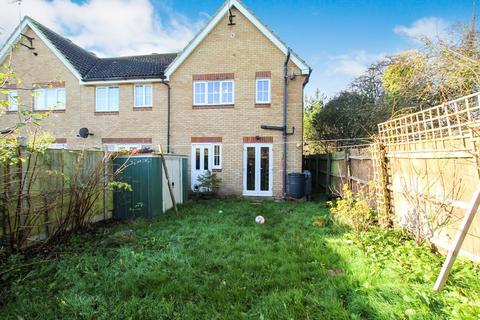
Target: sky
[{"x": 339, "y": 39}]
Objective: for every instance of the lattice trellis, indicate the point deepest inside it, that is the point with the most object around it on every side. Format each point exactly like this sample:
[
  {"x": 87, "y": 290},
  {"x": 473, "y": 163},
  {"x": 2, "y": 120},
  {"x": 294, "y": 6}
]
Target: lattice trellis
[{"x": 454, "y": 120}]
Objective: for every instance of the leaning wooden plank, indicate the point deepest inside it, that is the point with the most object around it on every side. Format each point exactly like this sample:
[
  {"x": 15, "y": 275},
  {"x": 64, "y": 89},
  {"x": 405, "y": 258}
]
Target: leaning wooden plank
[
  {"x": 457, "y": 243},
  {"x": 167, "y": 176}
]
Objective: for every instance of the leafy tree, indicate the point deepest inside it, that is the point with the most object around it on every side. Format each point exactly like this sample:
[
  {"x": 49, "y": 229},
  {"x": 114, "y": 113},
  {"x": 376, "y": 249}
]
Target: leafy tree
[
  {"x": 313, "y": 107},
  {"x": 352, "y": 114},
  {"x": 441, "y": 70}
]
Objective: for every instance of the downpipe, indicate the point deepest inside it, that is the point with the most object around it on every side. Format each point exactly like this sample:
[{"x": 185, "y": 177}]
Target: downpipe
[
  {"x": 168, "y": 113},
  {"x": 284, "y": 132}
]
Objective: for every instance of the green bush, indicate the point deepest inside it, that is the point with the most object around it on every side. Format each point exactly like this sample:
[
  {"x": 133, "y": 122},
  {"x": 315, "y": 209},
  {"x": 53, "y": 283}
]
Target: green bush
[
  {"x": 209, "y": 182},
  {"x": 354, "y": 210}
]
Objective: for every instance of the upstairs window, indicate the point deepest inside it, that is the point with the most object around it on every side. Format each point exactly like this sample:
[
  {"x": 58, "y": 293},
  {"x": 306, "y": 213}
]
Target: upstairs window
[
  {"x": 106, "y": 99},
  {"x": 213, "y": 93},
  {"x": 263, "y": 91},
  {"x": 143, "y": 96},
  {"x": 12, "y": 97},
  {"x": 49, "y": 99}
]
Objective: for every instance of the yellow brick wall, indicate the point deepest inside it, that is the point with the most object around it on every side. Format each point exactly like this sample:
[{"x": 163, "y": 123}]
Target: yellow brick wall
[
  {"x": 80, "y": 103},
  {"x": 246, "y": 53}
]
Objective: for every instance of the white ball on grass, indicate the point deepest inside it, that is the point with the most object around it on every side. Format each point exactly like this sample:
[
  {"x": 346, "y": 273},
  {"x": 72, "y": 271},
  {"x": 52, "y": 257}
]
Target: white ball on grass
[
  {"x": 220, "y": 211},
  {"x": 260, "y": 220}
]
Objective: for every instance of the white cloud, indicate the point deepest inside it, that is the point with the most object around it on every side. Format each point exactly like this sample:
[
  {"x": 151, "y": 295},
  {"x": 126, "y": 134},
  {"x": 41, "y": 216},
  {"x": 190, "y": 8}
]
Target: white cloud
[
  {"x": 333, "y": 73},
  {"x": 108, "y": 27},
  {"x": 352, "y": 64},
  {"x": 431, "y": 27}
]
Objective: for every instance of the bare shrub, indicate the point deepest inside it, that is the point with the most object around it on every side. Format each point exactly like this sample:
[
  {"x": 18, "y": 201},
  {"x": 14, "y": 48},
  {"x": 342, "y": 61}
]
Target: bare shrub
[{"x": 49, "y": 194}]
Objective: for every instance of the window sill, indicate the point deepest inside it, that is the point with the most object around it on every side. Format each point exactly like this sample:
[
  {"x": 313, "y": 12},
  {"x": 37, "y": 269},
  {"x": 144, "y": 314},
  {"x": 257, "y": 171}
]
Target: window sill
[
  {"x": 106, "y": 113},
  {"x": 216, "y": 170},
  {"x": 142, "y": 108},
  {"x": 262, "y": 105},
  {"x": 219, "y": 106},
  {"x": 49, "y": 110}
]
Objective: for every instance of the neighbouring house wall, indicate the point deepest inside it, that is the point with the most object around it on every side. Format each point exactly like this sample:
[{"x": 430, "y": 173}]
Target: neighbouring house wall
[
  {"x": 80, "y": 103},
  {"x": 248, "y": 52}
]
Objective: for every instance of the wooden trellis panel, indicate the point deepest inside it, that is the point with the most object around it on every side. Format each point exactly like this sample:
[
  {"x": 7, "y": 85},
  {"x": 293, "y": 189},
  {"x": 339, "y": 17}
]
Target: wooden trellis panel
[{"x": 448, "y": 126}]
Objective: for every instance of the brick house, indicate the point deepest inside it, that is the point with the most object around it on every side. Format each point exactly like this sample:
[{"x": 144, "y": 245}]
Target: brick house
[{"x": 232, "y": 100}]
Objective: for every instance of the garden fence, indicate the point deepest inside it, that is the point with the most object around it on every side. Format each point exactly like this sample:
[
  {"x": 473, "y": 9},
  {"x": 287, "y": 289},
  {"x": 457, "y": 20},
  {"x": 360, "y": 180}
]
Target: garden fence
[
  {"x": 51, "y": 192},
  {"x": 423, "y": 168}
]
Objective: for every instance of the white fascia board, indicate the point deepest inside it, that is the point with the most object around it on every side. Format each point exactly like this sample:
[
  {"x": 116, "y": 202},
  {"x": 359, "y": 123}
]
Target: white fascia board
[
  {"x": 12, "y": 39},
  {"x": 196, "y": 41},
  {"x": 109, "y": 82},
  {"x": 55, "y": 50},
  {"x": 271, "y": 36},
  {"x": 15, "y": 37},
  {"x": 305, "y": 69}
]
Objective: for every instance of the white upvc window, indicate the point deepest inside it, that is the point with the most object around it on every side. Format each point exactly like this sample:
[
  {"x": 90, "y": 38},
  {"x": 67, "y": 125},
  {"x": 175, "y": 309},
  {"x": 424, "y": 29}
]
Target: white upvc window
[
  {"x": 213, "y": 92},
  {"x": 263, "y": 91},
  {"x": 12, "y": 97},
  {"x": 106, "y": 99},
  {"x": 113, "y": 147},
  {"x": 57, "y": 146},
  {"x": 49, "y": 99},
  {"x": 143, "y": 95},
  {"x": 217, "y": 156}
]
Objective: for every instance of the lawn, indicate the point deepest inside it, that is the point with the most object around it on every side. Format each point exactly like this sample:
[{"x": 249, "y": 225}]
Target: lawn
[{"x": 214, "y": 262}]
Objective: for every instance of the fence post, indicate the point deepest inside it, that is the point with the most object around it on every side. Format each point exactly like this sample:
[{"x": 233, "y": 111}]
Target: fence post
[
  {"x": 348, "y": 167},
  {"x": 317, "y": 172},
  {"x": 105, "y": 185},
  {"x": 381, "y": 180},
  {"x": 328, "y": 172}
]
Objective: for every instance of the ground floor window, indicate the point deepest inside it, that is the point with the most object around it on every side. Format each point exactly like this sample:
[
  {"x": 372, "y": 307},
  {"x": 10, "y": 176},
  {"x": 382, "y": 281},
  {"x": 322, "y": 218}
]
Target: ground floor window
[
  {"x": 114, "y": 147},
  {"x": 57, "y": 146}
]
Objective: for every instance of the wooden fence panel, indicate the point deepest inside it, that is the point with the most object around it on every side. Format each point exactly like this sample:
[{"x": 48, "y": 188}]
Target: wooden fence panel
[
  {"x": 432, "y": 184},
  {"x": 426, "y": 166},
  {"x": 49, "y": 177}
]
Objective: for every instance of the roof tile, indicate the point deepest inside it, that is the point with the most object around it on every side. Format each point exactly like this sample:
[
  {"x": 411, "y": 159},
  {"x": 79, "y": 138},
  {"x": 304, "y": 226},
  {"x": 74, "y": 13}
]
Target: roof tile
[{"x": 92, "y": 68}]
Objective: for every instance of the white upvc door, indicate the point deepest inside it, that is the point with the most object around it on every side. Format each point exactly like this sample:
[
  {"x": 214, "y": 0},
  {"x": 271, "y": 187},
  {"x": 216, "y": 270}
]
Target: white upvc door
[
  {"x": 257, "y": 169},
  {"x": 175, "y": 175},
  {"x": 202, "y": 161}
]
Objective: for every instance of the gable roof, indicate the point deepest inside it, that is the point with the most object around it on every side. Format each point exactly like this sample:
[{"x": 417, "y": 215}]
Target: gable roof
[
  {"x": 253, "y": 19},
  {"x": 133, "y": 67},
  {"x": 85, "y": 65},
  {"x": 81, "y": 59}
]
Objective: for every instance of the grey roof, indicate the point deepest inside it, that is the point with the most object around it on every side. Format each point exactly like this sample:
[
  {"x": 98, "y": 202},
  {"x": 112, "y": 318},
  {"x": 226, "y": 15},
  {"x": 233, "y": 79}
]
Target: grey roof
[
  {"x": 91, "y": 68},
  {"x": 134, "y": 67}
]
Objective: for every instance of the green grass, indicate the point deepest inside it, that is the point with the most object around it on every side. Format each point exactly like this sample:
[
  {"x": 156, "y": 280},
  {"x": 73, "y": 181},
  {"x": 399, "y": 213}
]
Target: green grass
[{"x": 212, "y": 265}]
